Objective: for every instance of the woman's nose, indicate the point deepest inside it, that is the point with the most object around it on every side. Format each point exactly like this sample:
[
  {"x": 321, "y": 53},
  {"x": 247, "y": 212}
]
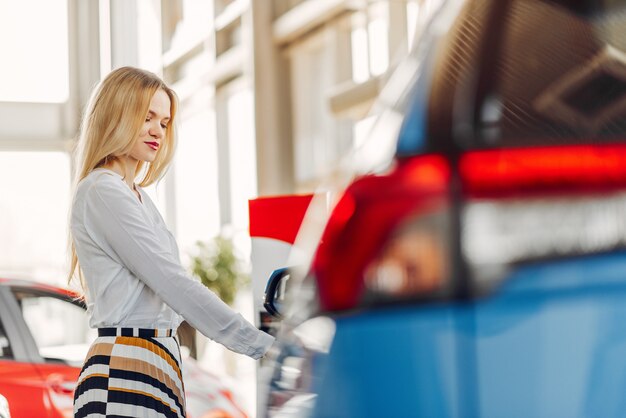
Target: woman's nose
[{"x": 156, "y": 131}]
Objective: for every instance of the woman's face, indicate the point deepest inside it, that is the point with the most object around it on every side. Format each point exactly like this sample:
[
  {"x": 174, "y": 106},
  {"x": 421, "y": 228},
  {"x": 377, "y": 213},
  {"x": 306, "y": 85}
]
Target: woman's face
[{"x": 153, "y": 132}]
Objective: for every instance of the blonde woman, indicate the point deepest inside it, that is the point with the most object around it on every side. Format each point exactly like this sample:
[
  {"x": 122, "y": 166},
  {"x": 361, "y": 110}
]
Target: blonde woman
[{"x": 137, "y": 292}]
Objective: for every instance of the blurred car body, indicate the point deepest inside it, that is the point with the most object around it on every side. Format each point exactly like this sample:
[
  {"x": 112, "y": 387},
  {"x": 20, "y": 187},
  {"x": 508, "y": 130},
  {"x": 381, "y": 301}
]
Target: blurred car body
[
  {"x": 44, "y": 337},
  {"x": 480, "y": 270}
]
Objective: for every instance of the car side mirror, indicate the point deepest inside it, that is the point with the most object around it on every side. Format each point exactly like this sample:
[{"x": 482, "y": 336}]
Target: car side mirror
[{"x": 275, "y": 291}]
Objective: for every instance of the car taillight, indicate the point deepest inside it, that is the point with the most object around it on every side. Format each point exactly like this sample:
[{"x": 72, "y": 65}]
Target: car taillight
[
  {"x": 378, "y": 222},
  {"x": 549, "y": 170},
  {"x": 538, "y": 203},
  {"x": 389, "y": 236}
]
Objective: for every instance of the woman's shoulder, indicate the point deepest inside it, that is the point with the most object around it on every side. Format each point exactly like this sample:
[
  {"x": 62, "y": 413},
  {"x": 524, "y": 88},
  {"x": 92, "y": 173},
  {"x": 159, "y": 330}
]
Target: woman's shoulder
[
  {"x": 104, "y": 174},
  {"x": 92, "y": 188},
  {"x": 100, "y": 179}
]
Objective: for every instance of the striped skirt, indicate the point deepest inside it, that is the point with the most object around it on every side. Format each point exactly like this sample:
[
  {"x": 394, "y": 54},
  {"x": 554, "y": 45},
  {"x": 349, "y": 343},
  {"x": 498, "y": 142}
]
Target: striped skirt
[{"x": 131, "y": 372}]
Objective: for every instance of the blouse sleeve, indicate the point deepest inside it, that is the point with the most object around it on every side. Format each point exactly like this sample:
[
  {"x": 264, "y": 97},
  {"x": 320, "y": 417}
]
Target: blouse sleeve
[{"x": 115, "y": 216}]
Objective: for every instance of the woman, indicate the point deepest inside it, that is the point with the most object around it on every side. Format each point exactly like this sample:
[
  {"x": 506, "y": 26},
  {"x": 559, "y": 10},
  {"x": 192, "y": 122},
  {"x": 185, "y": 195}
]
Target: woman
[{"x": 137, "y": 292}]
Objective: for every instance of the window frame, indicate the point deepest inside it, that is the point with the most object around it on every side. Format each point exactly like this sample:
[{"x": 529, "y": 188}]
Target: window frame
[
  {"x": 23, "y": 344},
  {"x": 21, "y": 341},
  {"x": 38, "y": 293},
  {"x": 52, "y": 126}
]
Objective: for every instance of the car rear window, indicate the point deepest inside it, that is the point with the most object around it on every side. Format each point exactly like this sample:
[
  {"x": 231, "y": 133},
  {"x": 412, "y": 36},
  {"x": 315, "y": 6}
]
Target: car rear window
[{"x": 530, "y": 72}]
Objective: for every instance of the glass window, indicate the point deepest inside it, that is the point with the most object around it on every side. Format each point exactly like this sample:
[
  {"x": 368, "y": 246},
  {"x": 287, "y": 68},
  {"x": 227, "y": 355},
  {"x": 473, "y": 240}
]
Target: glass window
[
  {"x": 242, "y": 152},
  {"x": 542, "y": 87},
  {"x": 185, "y": 22},
  {"x": 196, "y": 179},
  {"x": 5, "y": 345},
  {"x": 378, "y": 29},
  {"x": 360, "y": 65},
  {"x": 320, "y": 140},
  {"x": 35, "y": 67},
  {"x": 149, "y": 50},
  {"x": 35, "y": 189},
  {"x": 370, "y": 50},
  {"x": 60, "y": 328}
]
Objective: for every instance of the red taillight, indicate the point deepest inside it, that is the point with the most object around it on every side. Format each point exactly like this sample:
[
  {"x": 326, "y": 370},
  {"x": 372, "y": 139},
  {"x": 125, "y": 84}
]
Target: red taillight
[
  {"x": 538, "y": 203},
  {"x": 368, "y": 213},
  {"x": 507, "y": 172},
  {"x": 388, "y": 236}
]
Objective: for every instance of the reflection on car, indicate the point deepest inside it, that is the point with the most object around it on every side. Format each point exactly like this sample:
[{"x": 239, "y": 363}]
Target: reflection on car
[
  {"x": 476, "y": 266},
  {"x": 4, "y": 407},
  {"x": 44, "y": 337}
]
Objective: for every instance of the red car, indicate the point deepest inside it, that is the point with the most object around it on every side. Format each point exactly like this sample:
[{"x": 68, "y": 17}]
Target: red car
[{"x": 44, "y": 336}]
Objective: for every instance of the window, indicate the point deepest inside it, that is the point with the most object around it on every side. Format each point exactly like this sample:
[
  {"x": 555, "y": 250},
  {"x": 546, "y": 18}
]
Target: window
[
  {"x": 149, "y": 49},
  {"x": 196, "y": 181},
  {"x": 34, "y": 206},
  {"x": 317, "y": 65},
  {"x": 59, "y": 327},
  {"x": 242, "y": 154},
  {"x": 35, "y": 68},
  {"x": 185, "y": 22},
  {"x": 5, "y": 345},
  {"x": 370, "y": 52}
]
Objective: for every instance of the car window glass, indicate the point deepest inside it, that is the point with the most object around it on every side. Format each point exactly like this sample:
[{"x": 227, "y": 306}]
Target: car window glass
[
  {"x": 5, "y": 345},
  {"x": 533, "y": 90},
  {"x": 59, "y": 327}
]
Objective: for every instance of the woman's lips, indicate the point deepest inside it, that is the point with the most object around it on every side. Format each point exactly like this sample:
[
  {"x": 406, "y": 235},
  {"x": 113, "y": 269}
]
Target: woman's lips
[{"x": 153, "y": 145}]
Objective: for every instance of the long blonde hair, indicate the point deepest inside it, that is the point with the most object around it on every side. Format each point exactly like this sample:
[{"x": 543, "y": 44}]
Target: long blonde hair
[{"x": 113, "y": 119}]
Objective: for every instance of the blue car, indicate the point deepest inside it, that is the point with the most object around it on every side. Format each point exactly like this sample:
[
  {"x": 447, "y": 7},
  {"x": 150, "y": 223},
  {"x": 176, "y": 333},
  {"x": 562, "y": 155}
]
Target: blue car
[{"x": 478, "y": 269}]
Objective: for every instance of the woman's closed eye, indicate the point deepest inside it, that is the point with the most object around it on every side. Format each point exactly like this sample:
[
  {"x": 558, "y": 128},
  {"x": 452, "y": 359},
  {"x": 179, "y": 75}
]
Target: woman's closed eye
[{"x": 163, "y": 125}]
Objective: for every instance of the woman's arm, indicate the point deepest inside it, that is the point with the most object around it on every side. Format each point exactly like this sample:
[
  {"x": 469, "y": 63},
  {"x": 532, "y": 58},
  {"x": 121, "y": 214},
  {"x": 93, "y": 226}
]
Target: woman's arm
[{"x": 115, "y": 215}]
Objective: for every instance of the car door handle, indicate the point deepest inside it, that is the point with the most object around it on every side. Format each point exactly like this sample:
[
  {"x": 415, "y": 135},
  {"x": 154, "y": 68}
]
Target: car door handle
[{"x": 59, "y": 384}]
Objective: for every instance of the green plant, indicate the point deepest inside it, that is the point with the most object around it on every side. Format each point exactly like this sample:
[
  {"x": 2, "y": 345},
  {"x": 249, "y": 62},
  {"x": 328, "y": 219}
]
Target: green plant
[{"x": 219, "y": 268}]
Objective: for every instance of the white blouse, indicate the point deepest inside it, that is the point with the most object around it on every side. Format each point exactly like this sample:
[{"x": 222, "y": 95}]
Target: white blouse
[{"x": 132, "y": 270}]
